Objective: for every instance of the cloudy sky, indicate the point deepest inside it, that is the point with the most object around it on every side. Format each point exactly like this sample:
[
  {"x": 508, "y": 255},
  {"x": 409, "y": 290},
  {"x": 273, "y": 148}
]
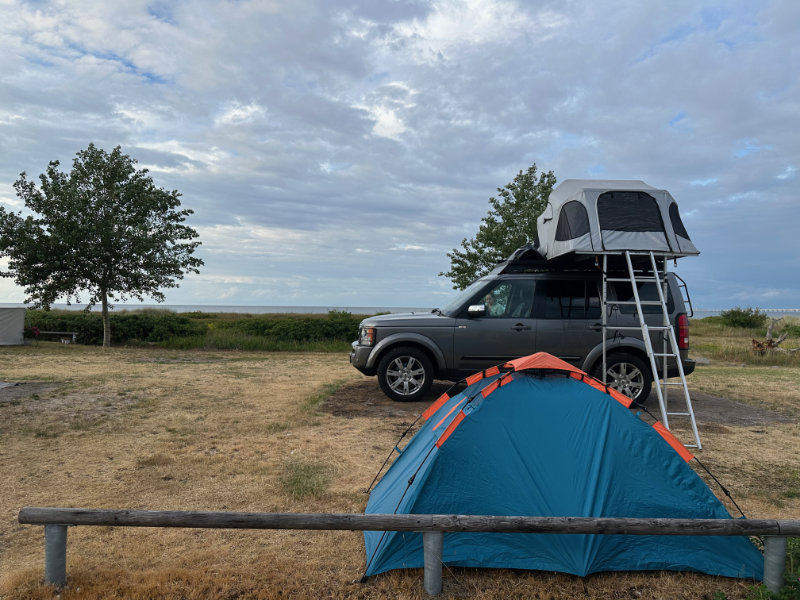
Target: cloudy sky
[{"x": 333, "y": 152}]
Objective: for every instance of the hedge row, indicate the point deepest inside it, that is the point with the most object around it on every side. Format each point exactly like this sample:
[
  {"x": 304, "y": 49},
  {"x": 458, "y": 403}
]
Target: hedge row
[
  {"x": 336, "y": 325},
  {"x": 136, "y": 326},
  {"x": 162, "y": 326}
]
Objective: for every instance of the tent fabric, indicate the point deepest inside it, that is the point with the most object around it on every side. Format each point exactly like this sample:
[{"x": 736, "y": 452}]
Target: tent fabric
[
  {"x": 617, "y": 215},
  {"x": 534, "y": 440},
  {"x": 12, "y": 324}
]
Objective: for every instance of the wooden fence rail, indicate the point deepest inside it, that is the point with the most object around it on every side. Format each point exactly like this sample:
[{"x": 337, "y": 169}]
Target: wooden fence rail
[{"x": 56, "y": 521}]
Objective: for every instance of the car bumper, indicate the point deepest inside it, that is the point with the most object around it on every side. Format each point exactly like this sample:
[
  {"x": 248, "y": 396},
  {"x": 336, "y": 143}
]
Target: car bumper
[
  {"x": 688, "y": 367},
  {"x": 359, "y": 356}
]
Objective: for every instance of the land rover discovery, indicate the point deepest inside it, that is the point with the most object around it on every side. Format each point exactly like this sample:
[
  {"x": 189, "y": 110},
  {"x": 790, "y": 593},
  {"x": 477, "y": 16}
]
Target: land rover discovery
[{"x": 518, "y": 309}]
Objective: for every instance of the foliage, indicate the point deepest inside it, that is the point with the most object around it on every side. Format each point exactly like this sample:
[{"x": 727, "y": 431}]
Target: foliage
[
  {"x": 510, "y": 223},
  {"x": 103, "y": 229},
  {"x": 331, "y": 332},
  {"x": 744, "y": 317},
  {"x": 337, "y": 325},
  {"x": 126, "y": 327}
]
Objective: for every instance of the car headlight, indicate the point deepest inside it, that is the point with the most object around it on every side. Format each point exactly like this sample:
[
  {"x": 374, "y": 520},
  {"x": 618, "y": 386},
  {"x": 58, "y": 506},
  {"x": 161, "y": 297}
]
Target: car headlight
[{"x": 366, "y": 337}]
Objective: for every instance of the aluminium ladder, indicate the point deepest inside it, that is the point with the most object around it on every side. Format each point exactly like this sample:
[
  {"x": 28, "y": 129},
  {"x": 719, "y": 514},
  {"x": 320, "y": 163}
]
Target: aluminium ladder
[{"x": 670, "y": 345}]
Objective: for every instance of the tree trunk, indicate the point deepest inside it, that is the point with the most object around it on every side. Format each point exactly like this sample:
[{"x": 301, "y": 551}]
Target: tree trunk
[
  {"x": 106, "y": 322},
  {"x": 770, "y": 344}
]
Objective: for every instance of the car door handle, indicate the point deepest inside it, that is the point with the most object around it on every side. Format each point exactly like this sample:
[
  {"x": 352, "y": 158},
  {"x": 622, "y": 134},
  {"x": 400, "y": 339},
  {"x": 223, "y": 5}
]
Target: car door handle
[
  {"x": 520, "y": 327},
  {"x": 595, "y": 327}
]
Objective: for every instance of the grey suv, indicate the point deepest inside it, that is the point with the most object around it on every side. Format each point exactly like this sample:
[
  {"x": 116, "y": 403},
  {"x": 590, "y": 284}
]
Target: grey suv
[{"x": 518, "y": 309}]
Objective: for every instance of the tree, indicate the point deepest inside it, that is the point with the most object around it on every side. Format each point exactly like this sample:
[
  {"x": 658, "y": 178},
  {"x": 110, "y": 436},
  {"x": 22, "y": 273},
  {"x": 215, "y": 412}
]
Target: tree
[
  {"x": 103, "y": 228},
  {"x": 511, "y": 223}
]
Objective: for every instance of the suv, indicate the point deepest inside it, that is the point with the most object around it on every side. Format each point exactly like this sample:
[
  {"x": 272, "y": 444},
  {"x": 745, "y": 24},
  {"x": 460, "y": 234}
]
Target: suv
[{"x": 523, "y": 307}]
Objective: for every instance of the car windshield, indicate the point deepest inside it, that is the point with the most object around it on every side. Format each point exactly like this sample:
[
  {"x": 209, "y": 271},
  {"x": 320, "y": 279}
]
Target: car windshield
[{"x": 456, "y": 303}]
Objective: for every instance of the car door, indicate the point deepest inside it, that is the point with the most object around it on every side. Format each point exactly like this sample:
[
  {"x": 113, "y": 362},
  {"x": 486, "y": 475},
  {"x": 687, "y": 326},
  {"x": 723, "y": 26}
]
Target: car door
[
  {"x": 506, "y": 329},
  {"x": 568, "y": 318}
]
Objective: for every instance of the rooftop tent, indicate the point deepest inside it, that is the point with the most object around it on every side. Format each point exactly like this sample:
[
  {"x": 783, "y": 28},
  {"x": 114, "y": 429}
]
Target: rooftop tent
[
  {"x": 586, "y": 216},
  {"x": 12, "y": 324},
  {"x": 540, "y": 438}
]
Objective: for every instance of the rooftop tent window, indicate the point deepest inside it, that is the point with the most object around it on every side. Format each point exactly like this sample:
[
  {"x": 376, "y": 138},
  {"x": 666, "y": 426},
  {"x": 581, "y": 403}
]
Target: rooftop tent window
[
  {"x": 629, "y": 211},
  {"x": 573, "y": 222},
  {"x": 677, "y": 224}
]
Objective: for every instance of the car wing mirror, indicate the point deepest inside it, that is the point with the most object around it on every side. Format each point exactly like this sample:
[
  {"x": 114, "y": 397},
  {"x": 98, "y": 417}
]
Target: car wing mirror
[{"x": 476, "y": 310}]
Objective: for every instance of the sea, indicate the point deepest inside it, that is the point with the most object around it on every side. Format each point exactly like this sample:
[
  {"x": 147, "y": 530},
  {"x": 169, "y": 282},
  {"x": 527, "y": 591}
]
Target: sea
[
  {"x": 321, "y": 310},
  {"x": 242, "y": 309}
]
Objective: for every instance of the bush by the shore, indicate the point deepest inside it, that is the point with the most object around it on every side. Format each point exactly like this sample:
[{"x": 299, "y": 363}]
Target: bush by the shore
[{"x": 225, "y": 331}]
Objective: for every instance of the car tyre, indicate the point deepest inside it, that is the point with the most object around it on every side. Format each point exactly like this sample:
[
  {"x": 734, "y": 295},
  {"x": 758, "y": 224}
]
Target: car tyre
[
  {"x": 628, "y": 374},
  {"x": 405, "y": 374}
]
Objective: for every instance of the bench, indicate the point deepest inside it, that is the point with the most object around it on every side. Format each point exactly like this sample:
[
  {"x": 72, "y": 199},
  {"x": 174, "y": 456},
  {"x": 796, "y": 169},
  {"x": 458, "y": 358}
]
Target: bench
[{"x": 73, "y": 334}]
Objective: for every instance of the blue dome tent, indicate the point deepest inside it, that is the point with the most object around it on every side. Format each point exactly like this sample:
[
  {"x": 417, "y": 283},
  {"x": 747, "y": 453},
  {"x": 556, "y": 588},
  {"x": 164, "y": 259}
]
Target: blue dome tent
[{"x": 538, "y": 437}]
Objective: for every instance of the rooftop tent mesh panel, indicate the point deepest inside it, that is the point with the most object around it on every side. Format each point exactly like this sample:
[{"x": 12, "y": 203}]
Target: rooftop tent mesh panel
[
  {"x": 629, "y": 211},
  {"x": 573, "y": 221},
  {"x": 677, "y": 224}
]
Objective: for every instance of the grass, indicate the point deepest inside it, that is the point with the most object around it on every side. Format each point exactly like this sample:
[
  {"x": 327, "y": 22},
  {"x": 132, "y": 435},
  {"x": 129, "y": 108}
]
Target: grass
[
  {"x": 711, "y": 338},
  {"x": 240, "y": 430},
  {"x": 305, "y": 478},
  {"x": 730, "y": 369},
  {"x": 226, "y": 339}
]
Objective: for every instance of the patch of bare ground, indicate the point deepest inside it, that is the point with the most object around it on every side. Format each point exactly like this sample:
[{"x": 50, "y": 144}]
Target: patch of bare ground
[
  {"x": 155, "y": 429},
  {"x": 365, "y": 399}
]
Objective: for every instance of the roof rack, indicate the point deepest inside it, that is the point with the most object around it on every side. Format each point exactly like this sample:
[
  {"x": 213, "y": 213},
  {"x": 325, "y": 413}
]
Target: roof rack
[{"x": 529, "y": 259}]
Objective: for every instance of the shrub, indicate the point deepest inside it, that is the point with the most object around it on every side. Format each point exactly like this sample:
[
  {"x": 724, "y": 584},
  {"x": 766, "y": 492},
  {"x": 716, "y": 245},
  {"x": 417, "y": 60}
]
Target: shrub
[
  {"x": 321, "y": 333},
  {"x": 144, "y": 326},
  {"x": 336, "y": 325},
  {"x": 748, "y": 318},
  {"x": 793, "y": 331}
]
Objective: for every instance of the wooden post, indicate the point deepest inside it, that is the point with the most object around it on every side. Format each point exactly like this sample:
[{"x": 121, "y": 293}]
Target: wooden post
[
  {"x": 432, "y": 527},
  {"x": 55, "y": 555},
  {"x": 432, "y": 545},
  {"x": 774, "y": 562}
]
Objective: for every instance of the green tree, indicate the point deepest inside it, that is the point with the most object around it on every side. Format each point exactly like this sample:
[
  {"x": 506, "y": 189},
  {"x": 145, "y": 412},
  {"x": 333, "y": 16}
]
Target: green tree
[
  {"x": 104, "y": 229},
  {"x": 511, "y": 223}
]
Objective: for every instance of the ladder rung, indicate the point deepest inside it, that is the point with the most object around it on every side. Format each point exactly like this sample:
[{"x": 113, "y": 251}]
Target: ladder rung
[
  {"x": 679, "y": 414},
  {"x": 680, "y": 383},
  {"x": 663, "y": 355},
  {"x": 642, "y": 302},
  {"x": 640, "y": 278}
]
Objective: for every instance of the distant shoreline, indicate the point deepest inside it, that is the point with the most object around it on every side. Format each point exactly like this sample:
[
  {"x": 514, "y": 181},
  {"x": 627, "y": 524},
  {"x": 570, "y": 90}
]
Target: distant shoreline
[
  {"x": 321, "y": 310},
  {"x": 238, "y": 309}
]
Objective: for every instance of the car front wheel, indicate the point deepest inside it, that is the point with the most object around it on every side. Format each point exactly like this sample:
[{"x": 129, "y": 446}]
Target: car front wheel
[
  {"x": 628, "y": 374},
  {"x": 405, "y": 374}
]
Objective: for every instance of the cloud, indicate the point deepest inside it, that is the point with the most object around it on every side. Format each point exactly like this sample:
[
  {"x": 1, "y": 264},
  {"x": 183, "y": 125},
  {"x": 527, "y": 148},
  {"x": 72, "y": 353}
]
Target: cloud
[
  {"x": 318, "y": 143},
  {"x": 238, "y": 114},
  {"x": 454, "y": 25}
]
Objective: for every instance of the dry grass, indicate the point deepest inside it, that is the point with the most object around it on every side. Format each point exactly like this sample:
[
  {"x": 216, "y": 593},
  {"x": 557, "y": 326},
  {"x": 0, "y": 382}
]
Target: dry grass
[{"x": 238, "y": 431}]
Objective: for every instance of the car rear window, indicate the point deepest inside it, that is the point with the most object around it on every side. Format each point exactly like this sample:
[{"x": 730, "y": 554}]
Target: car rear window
[
  {"x": 568, "y": 299},
  {"x": 647, "y": 292}
]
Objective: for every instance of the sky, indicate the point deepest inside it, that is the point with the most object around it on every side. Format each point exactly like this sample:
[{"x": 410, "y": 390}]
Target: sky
[{"x": 333, "y": 152}]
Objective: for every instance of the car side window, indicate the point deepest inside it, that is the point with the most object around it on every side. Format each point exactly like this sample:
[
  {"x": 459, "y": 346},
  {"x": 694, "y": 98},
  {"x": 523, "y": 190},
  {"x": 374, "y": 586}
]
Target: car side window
[
  {"x": 510, "y": 300},
  {"x": 568, "y": 299}
]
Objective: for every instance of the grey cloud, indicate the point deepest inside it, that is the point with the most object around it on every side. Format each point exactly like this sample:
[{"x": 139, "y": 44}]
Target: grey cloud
[{"x": 348, "y": 125}]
